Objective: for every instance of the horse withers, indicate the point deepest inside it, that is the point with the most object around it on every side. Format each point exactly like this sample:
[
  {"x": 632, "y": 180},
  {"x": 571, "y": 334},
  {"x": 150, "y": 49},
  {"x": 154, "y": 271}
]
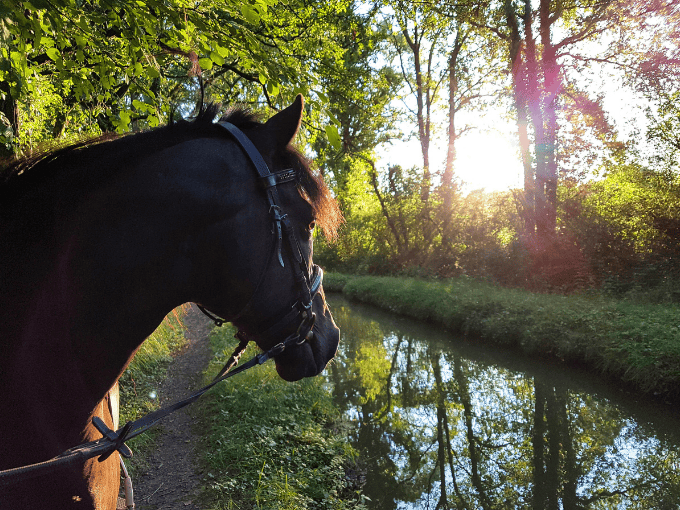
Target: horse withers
[{"x": 102, "y": 239}]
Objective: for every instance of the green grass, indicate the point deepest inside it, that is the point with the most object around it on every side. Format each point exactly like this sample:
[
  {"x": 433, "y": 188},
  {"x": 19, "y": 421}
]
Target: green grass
[
  {"x": 638, "y": 344},
  {"x": 270, "y": 444},
  {"x": 140, "y": 381}
]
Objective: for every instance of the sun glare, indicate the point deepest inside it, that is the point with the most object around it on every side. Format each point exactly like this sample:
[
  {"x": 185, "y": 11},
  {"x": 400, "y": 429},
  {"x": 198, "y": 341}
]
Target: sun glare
[{"x": 487, "y": 160}]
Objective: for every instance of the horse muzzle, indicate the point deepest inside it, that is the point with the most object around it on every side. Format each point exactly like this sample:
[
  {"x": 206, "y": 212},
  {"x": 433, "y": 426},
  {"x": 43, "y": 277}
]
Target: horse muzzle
[{"x": 311, "y": 356}]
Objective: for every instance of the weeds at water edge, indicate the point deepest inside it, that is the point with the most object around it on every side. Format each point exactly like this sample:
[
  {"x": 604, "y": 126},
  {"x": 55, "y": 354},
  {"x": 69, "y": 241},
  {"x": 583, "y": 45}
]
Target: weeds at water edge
[{"x": 637, "y": 343}]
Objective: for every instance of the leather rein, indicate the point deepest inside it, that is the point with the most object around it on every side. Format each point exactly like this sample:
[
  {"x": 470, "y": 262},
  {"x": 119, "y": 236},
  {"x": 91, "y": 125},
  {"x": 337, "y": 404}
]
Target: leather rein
[{"x": 308, "y": 286}]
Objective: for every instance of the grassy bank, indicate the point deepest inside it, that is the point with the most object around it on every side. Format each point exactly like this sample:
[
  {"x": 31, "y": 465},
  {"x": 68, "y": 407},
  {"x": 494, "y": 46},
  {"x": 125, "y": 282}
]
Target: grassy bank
[
  {"x": 139, "y": 383},
  {"x": 635, "y": 343},
  {"x": 272, "y": 444}
]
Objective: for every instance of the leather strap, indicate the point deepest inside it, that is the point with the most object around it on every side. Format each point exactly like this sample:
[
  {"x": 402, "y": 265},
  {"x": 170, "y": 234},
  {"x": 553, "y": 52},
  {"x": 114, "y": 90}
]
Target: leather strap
[
  {"x": 279, "y": 177},
  {"x": 255, "y": 156}
]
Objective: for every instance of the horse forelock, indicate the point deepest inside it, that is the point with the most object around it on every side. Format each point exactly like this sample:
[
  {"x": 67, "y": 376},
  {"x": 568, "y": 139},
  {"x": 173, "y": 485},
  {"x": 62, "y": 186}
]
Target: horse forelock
[{"x": 313, "y": 189}]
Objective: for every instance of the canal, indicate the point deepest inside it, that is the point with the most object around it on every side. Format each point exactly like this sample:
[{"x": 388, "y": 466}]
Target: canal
[{"x": 443, "y": 422}]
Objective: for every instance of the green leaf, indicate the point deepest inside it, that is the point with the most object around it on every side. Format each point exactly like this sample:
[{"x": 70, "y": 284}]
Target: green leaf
[
  {"x": 152, "y": 72},
  {"x": 205, "y": 63},
  {"x": 41, "y": 4},
  {"x": 222, "y": 51},
  {"x": 217, "y": 58},
  {"x": 272, "y": 88},
  {"x": 250, "y": 13},
  {"x": 53, "y": 53},
  {"x": 333, "y": 136}
]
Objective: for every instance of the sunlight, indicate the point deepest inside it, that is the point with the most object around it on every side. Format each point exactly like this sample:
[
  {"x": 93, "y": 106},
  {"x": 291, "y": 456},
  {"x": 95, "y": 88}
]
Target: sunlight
[
  {"x": 489, "y": 161},
  {"x": 486, "y": 160}
]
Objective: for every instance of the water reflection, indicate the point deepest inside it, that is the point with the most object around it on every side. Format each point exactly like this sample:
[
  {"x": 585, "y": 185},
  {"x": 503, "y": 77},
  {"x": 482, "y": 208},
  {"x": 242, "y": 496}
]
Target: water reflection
[{"x": 441, "y": 423}]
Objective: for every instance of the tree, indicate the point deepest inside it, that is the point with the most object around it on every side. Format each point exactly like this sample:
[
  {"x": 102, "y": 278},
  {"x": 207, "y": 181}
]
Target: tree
[
  {"x": 131, "y": 64},
  {"x": 418, "y": 40},
  {"x": 663, "y": 132},
  {"x": 547, "y": 51},
  {"x": 474, "y": 70}
]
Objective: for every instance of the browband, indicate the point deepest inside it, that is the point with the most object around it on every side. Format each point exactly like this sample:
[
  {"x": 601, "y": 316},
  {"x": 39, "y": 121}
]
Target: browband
[{"x": 278, "y": 177}]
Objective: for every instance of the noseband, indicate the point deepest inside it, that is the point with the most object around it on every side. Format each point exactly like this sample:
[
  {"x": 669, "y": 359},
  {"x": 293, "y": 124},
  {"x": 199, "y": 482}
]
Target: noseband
[{"x": 308, "y": 284}]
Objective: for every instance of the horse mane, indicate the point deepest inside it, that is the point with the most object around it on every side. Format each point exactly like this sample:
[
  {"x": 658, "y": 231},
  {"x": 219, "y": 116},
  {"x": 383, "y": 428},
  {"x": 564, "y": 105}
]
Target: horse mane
[
  {"x": 20, "y": 176},
  {"x": 90, "y": 162}
]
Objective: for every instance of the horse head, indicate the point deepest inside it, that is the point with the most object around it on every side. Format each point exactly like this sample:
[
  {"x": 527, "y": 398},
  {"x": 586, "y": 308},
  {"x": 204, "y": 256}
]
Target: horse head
[
  {"x": 278, "y": 291},
  {"x": 102, "y": 239}
]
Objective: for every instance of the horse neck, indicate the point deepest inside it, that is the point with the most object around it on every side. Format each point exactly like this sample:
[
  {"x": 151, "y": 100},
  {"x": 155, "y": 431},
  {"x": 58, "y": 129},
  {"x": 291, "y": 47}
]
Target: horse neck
[
  {"x": 77, "y": 304},
  {"x": 90, "y": 291}
]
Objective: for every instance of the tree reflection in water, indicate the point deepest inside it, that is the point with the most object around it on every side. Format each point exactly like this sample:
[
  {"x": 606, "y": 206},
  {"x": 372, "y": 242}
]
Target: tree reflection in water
[{"x": 439, "y": 429}]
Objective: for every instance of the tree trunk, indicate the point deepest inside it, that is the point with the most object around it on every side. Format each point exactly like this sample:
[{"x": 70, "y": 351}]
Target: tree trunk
[
  {"x": 423, "y": 128},
  {"x": 520, "y": 95},
  {"x": 539, "y": 492},
  {"x": 447, "y": 177},
  {"x": 571, "y": 474},
  {"x": 8, "y": 107},
  {"x": 551, "y": 90},
  {"x": 383, "y": 207},
  {"x": 534, "y": 100},
  {"x": 441, "y": 439},
  {"x": 475, "y": 454},
  {"x": 552, "y": 464}
]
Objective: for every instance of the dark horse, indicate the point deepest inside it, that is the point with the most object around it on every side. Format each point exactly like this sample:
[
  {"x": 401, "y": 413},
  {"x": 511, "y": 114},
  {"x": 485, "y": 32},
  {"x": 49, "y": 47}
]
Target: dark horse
[{"x": 99, "y": 241}]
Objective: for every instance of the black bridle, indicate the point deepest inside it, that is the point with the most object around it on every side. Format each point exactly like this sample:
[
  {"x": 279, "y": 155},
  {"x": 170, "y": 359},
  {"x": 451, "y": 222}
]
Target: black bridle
[{"x": 308, "y": 283}]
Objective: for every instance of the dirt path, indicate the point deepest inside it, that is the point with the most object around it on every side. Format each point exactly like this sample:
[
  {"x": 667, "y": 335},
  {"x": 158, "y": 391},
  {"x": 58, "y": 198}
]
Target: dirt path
[{"x": 171, "y": 481}]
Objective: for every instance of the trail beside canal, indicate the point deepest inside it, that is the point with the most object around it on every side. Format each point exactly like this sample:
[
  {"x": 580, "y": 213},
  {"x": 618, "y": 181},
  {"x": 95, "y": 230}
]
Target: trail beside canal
[{"x": 173, "y": 479}]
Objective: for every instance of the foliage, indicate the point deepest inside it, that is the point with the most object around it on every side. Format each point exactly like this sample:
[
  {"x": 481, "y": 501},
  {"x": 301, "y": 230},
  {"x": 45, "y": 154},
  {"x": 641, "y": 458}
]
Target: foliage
[
  {"x": 664, "y": 132},
  {"x": 391, "y": 230},
  {"x": 627, "y": 226},
  {"x": 130, "y": 65},
  {"x": 272, "y": 444}
]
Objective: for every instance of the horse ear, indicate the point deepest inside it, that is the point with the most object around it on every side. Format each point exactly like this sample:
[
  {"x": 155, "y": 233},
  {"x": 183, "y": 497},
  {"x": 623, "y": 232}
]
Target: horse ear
[{"x": 284, "y": 125}]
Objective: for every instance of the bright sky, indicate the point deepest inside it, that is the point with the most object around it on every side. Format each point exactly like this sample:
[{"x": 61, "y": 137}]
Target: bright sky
[{"x": 486, "y": 158}]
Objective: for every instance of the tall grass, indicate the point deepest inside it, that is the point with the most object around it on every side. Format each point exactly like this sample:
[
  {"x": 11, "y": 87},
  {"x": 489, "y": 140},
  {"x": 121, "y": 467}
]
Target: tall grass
[
  {"x": 273, "y": 444},
  {"x": 637, "y": 343}
]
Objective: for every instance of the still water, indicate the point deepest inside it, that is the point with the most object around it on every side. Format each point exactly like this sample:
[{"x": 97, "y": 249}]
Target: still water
[{"x": 442, "y": 422}]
